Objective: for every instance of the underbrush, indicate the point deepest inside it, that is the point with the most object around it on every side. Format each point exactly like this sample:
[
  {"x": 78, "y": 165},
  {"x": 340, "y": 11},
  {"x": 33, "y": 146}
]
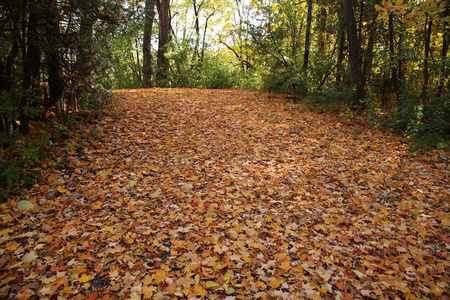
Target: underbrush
[
  {"x": 21, "y": 160},
  {"x": 423, "y": 124},
  {"x": 22, "y": 157}
]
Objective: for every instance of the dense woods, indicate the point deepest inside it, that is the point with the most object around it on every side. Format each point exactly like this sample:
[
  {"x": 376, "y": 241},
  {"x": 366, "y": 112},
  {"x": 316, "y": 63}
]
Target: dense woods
[{"x": 386, "y": 61}]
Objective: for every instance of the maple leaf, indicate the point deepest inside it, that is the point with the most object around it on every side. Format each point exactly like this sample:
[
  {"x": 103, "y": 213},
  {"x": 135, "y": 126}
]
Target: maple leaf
[
  {"x": 84, "y": 278},
  {"x": 221, "y": 200},
  {"x": 159, "y": 276}
]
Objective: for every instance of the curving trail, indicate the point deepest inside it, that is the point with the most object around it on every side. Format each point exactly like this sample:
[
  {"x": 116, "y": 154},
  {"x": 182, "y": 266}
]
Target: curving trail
[{"x": 221, "y": 194}]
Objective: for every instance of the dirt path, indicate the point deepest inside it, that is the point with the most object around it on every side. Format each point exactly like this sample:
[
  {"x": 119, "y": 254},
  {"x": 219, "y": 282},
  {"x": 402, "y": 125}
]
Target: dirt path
[{"x": 219, "y": 194}]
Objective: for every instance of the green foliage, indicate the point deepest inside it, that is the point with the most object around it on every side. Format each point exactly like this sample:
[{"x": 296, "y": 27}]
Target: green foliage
[
  {"x": 332, "y": 97},
  {"x": 250, "y": 80},
  {"x": 217, "y": 74},
  {"x": 426, "y": 125},
  {"x": 285, "y": 80},
  {"x": 185, "y": 69},
  {"x": 213, "y": 72},
  {"x": 21, "y": 160}
]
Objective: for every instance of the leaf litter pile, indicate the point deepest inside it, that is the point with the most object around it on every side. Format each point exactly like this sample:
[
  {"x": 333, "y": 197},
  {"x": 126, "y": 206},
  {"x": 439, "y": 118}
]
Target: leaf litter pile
[{"x": 201, "y": 194}]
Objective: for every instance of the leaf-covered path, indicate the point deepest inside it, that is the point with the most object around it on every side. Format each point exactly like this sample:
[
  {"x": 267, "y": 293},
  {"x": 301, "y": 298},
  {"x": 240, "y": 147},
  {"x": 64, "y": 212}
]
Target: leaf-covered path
[{"x": 220, "y": 194}]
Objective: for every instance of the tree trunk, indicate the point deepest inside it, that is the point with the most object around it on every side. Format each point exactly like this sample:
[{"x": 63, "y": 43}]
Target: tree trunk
[
  {"x": 147, "y": 44},
  {"x": 307, "y": 37},
  {"x": 322, "y": 30},
  {"x": 31, "y": 69},
  {"x": 368, "y": 58},
  {"x": 55, "y": 80},
  {"x": 393, "y": 68},
  {"x": 354, "y": 53},
  {"x": 204, "y": 35},
  {"x": 444, "y": 74},
  {"x": 341, "y": 44},
  {"x": 163, "y": 7},
  {"x": 197, "y": 27},
  {"x": 426, "y": 75}
]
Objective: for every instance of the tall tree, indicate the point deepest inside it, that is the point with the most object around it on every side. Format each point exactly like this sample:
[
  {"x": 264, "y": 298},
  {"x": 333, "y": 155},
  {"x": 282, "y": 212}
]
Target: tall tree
[
  {"x": 53, "y": 37},
  {"x": 31, "y": 65},
  {"x": 393, "y": 66},
  {"x": 354, "y": 53},
  {"x": 163, "y": 7},
  {"x": 444, "y": 51},
  {"x": 307, "y": 37},
  {"x": 147, "y": 43},
  {"x": 427, "y": 38}
]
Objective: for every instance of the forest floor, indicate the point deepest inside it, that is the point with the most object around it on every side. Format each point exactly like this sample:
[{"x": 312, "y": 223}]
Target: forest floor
[{"x": 220, "y": 194}]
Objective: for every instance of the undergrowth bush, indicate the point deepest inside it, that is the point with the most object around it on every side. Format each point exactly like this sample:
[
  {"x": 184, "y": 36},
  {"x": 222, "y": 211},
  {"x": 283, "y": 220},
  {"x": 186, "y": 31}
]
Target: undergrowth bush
[
  {"x": 21, "y": 161},
  {"x": 217, "y": 74},
  {"x": 332, "y": 97},
  {"x": 424, "y": 124},
  {"x": 285, "y": 81}
]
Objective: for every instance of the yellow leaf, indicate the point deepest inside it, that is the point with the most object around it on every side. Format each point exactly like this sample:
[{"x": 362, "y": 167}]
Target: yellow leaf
[
  {"x": 13, "y": 246},
  {"x": 128, "y": 238},
  {"x": 261, "y": 285},
  {"x": 200, "y": 291},
  {"x": 227, "y": 277},
  {"x": 275, "y": 283},
  {"x": 159, "y": 276},
  {"x": 446, "y": 222},
  {"x": 62, "y": 190},
  {"x": 109, "y": 228},
  {"x": 212, "y": 285},
  {"x": 84, "y": 278},
  {"x": 147, "y": 292},
  {"x": 437, "y": 290}
]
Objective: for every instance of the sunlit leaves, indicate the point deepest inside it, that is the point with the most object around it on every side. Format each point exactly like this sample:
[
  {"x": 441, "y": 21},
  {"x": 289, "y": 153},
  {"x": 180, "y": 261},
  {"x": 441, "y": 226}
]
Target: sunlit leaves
[{"x": 264, "y": 213}]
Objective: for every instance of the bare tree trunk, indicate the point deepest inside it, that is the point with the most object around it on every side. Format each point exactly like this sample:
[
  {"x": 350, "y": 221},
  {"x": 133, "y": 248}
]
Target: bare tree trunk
[
  {"x": 31, "y": 69},
  {"x": 322, "y": 29},
  {"x": 426, "y": 74},
  {"x": 394, "y": 77},
  {"x": 341, "y": 44},
  {"x": 163, "y": 7},
  {"x": 197, "y": 27},
  {"x": 307, "y": 37},
  {"x": 445, "y": 37},
  {"x": 354, "y": 53},
  {"x": 147, "y": 43},
  {"x": 204, "y": 35},
  {"x": 55, "y": 80}
]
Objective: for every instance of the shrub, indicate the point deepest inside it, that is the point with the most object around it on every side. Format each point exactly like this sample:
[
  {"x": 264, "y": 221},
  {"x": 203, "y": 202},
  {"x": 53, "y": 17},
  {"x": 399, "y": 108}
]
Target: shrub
[{"x": 425, "y": 124}]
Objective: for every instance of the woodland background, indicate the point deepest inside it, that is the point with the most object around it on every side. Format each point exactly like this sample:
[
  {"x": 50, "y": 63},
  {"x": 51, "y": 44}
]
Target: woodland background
[{"x": 383, "y": 61}]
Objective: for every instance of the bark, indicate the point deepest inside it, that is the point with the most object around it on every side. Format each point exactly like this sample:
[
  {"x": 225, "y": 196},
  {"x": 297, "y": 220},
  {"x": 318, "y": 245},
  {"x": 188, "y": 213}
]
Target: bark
[
  {"x": 354, "y": 53},
  {"x": 341, "y": 44},
  {"x": 322, "y": 29},
  {"x": 444, "y": 51},
  {"x": 204, "y": 35},
  {"x": 307, "y": 37},
  {"x": 163, "y": 7},
  {"x": 31, "y": 69},
  {"x": 86, "y": 40},
  {"x": 147, "y": 44},
  {"x": 197, "y": 27},
  {"x": 394, "y": 77},
  {"x": 55, "y": 80},
  {"x": 426, "y": 74},
  {"x": 368, "y": 58}
]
